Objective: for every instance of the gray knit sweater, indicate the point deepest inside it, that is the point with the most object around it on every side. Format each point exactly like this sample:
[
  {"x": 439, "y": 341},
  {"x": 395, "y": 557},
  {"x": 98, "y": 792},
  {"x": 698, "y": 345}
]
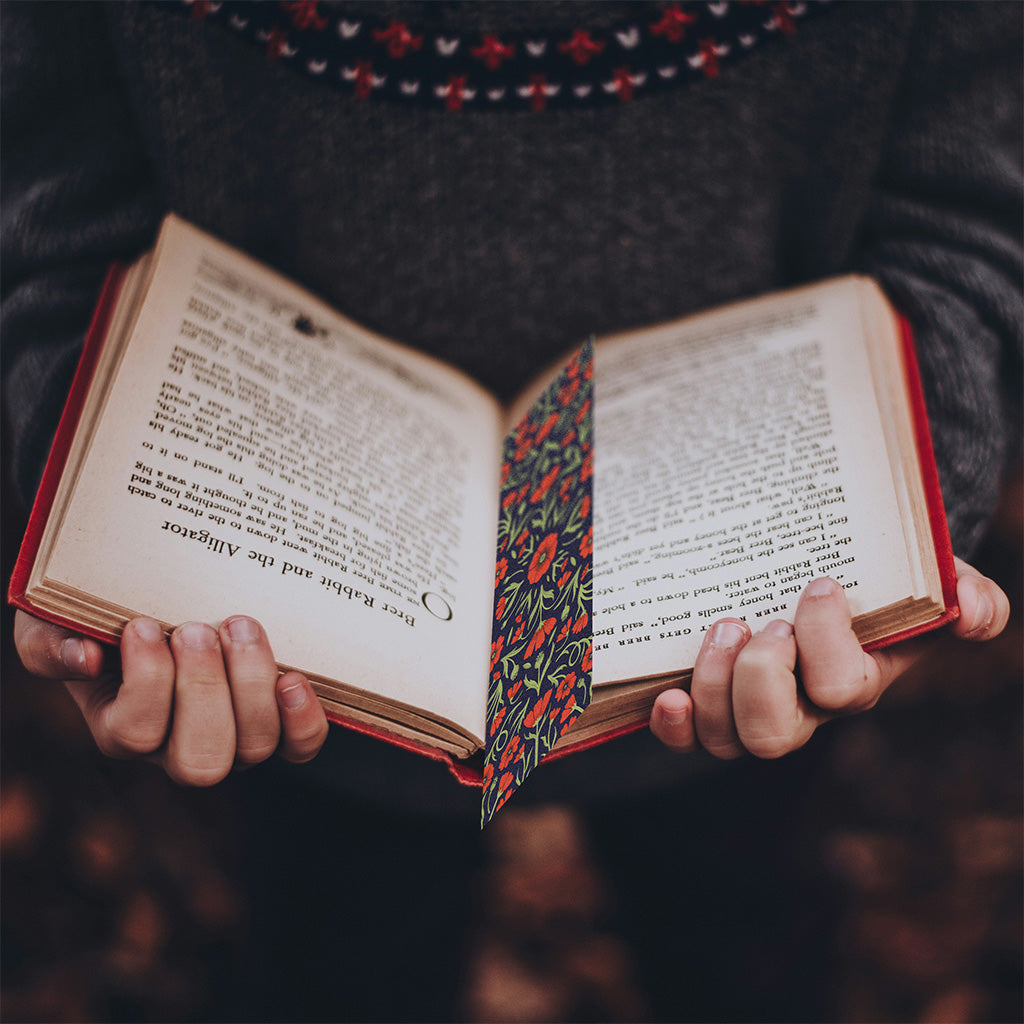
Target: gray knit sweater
[{"x": 874, "y": 137}]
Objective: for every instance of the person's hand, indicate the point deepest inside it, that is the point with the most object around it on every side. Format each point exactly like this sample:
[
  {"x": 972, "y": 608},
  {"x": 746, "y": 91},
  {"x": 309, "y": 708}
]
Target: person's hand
[
  {"x": 199, "y": 704},
  {"x": 766, "y": 694}
]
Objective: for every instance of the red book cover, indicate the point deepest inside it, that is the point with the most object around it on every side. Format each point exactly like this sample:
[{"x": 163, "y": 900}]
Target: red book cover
[
  {"x": 59, "y": 451},
  {"x": 933, "y": 496},
  {"x": 467, "y": 772}
]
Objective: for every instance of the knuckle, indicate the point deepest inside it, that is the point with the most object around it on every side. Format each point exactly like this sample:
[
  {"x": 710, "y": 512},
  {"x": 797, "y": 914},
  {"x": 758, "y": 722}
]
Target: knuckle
[
  {"x": 258, "y": 734},
  {"x": 150, "y": 676},
  {"x": 40, "y": 653},
  {"x": 197, "y": 775},
  {"x": 255, "y": 751},
  {"x": 302, "y": 756},
  {"x": 1002, "y": 613},
  {"x": 756, "y": 659},
  {"x": 96, "y": 700},
  {"x": 253, "y": 686},
  {"x": 110, "y": 746},
  {"x": 724, "y": 751},
  {"x": 305, "y": 743},
  {"x": 865, "y": 702},
  {"x": 707, "y": 688},
  {"x": 848, "y": 696},
  {"x": 208, "y": 678},
  {"x": 771, "y": 748},
  {"x": 25, "y": 632},
  {"x": 674, "y": 737},
  {"x": 137, "y": 741}
]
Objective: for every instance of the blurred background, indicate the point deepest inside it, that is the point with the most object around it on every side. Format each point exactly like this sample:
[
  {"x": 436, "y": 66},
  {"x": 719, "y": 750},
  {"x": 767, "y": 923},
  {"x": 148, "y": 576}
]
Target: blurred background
[{"x": 873, "y": 876}]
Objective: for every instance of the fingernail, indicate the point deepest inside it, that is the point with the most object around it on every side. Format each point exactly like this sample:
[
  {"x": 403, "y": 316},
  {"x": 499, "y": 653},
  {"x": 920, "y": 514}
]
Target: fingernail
[
  {"x": 243, "y": 630},
  {"x": 72, "y": 655},
  {"x": 676, "y": 716},
  {"x": 821, "y": 587},
  {"x": 983, "y": 614},
  {"x": 294, "y": 696},
  {"x": 197, "y": 635},
  {"x": 727, "y": 634},
  {"x": 779, "y": 627},
  {"x": 148, "y": 630}
]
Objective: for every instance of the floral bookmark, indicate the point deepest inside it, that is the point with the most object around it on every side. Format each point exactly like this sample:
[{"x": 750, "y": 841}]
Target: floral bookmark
[{"x": 542, "y": 647}]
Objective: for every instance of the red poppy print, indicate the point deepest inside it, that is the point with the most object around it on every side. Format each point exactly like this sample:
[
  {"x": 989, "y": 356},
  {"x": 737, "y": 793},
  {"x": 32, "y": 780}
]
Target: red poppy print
[
  {"x": 541, "y": 643},
  {"x": 542, "y": 558},
  {"x": 587, "y": 544},
  {"x": 537, "y": 710},
  {"x": 566, "y": 686},
  {"x": 545, "y": 485},
  {"x": 543, "y": 632},
  {"x": 548, "y": 425}
]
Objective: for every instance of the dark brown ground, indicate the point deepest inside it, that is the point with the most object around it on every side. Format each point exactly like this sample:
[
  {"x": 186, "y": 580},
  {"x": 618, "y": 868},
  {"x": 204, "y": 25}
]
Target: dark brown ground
[{"x": 874, "y": 876}]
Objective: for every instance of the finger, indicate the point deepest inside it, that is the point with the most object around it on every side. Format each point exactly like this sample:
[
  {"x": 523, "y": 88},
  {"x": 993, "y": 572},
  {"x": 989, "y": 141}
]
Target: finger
[
  {"x": 836, "y": 673},
  {"x": 53, "y": 652},
  {"x": 201, "y": 748},
  {"x": 984, "y": 608},
  {"x": 711, "y": 689},
  {"x": 772, "y": 716},
  {"x": 303, "y": 722},
  {"x": 132, "y": 719},
  {"x": 672, "y": 721},
  {"x": 252, "y": 674}
]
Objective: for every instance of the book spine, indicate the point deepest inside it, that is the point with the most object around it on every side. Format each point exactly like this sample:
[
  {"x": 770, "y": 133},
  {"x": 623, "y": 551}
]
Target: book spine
[
  {"x": 66, "y": 428},
  {"x": 467, "y": 773}
]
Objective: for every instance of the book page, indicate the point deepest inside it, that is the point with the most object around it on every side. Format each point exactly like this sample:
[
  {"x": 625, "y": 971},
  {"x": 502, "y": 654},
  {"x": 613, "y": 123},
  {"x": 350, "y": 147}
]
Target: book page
[
  {"x": 739, "y": 455},
  {"x": 260, "y": 454}
]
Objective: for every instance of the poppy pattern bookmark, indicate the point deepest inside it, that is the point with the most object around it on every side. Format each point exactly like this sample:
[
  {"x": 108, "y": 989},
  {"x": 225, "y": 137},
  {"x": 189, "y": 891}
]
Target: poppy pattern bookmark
[{"x": 542, "y": 642}]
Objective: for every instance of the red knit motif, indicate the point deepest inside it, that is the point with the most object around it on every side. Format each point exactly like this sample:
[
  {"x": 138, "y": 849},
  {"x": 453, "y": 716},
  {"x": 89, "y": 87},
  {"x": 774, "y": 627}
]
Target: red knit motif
[
  {"x": 277, "y": 40},
  {"x": 373, "y": 54},
  {"x": 304, "y": 14},
  {"x": 537, "y": 92},
  {"x": 580, "y": 46},
  {"x": 784, "y": 18},
  {"x": 709, "y": 62},
  {"x": 672, "y": 24},
  {"x": 454, "y": 92},
  {"x": 492, "y": 51},
  {"x": 623, "y": 80},
  {"x": 399, "y": 39},
  {"x": 363, "y": 81}
]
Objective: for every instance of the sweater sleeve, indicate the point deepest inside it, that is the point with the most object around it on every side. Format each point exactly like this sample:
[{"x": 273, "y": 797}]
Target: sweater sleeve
[
  {"x": 77, "y": 196},
  {"x": 943, "y": 234}
]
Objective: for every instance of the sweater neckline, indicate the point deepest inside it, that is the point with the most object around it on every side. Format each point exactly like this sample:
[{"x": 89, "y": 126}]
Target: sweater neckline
[{"x": 660, "y": 47}]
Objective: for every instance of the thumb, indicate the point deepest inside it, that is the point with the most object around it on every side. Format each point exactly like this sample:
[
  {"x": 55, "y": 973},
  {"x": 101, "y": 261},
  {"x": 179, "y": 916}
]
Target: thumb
[
  {"x": 984, "y": 608},
  {"x": 53, "y": 652},
  {"x": 672, "y": 721}
]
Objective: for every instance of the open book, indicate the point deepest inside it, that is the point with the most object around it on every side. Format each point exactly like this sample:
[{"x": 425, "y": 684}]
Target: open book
[{"x": 231, "y": 444}]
